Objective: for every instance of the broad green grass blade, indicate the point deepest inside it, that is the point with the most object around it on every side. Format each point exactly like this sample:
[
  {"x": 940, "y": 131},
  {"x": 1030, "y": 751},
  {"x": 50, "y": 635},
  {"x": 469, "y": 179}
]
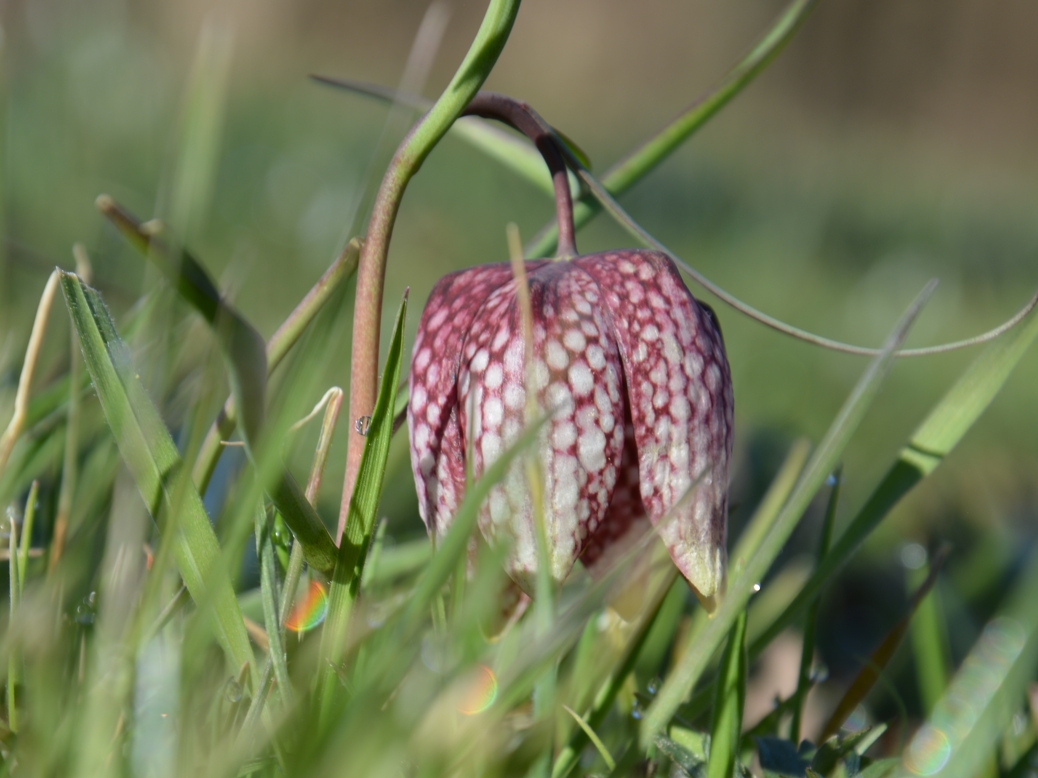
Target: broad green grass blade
[
  {"x": 821, "y": 463},
  {"x": 932, "y": 441},
  {"x": 649, "y": 154},
  {"x": 726, "y": 723},
  {"x": 246, "y": 357},
  {"x": 152, "y": 459},
  {"x": 349, "y": 567},
  {"x": 963, "y": 730}
]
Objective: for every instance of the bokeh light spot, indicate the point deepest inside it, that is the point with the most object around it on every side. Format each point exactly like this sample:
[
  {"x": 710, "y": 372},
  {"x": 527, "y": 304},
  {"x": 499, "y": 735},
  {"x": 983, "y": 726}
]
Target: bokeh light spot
[
  {"x": 309, "y": 610},
  {"x": 481, "y": 693},
  {"x": 928, "y": 751}
]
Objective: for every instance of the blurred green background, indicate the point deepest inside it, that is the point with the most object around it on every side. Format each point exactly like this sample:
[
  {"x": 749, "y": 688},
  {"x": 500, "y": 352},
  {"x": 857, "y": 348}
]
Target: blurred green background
[{"x": 890, "y": 143}]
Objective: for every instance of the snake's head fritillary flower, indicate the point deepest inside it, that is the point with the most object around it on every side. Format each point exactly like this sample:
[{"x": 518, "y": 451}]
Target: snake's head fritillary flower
[{"x": 633, "y": 372}]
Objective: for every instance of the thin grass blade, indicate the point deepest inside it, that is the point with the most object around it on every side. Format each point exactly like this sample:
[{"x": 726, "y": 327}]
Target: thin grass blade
[
  {"x": 932, "y": 441},
  {"x": 929, "y": 643},
  {"x": 726, "y": 725},
  {"x": 595, "y": 739},
  {"x": 807, "y": 650}
]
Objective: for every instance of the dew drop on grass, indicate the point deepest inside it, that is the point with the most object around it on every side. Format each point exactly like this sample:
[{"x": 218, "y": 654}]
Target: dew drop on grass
[
  {"x": 653, "y": 685},
  {"x": 636, "y": 710},
  {"x": 232, "y": 690},
  {"x": 86, "y": 610},
  {"x": 756, "y": 587}
]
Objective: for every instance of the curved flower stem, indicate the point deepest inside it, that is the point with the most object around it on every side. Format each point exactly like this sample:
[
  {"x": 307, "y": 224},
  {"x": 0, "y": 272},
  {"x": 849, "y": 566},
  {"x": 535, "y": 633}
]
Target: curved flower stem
[
  {"x": 518, "y": 114},
  {"x": 482, "y": 55}
]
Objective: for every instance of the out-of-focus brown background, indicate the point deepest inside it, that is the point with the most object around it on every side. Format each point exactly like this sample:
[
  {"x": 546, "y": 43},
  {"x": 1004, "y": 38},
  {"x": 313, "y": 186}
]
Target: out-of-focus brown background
[{"x": 891, "y": 142}]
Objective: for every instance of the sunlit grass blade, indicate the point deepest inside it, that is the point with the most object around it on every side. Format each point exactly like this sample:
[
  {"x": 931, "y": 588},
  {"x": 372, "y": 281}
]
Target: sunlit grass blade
[
  {"x": 152, "y": 459},
  {"x": 695, "y": 660},
  {"x": 649, "y": 154},
  {"x": 730, "y": 694},
  {"x": 870, "y": 673},
  {"x": 349, "y": 567},
  {"x": 932, "y": 440},
  {"x": 807, "y": 650},
  {"x": 246, "y": 359},
  {"x": 961, "y": 733},
  {"x": 32, "y": 351}
]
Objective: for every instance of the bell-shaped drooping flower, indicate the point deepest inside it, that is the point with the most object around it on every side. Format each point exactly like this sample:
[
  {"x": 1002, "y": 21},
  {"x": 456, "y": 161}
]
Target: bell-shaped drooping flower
[
  {"x": 632, "y": 369},
  {"x": 633, "y": 372}
]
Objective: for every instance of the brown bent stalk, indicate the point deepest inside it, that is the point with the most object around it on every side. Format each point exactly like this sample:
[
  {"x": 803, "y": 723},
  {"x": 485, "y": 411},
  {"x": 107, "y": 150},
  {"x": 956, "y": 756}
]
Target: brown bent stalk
[{"x": 367, "y": 317}]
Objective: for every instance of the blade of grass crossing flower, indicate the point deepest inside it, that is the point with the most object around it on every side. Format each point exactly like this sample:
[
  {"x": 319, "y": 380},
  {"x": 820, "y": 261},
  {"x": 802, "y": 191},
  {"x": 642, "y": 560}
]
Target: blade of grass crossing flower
[
  {"x": 822, "y": 462},
  {"x": 807, "y": 651},
  {"x": 932, "y": 440},
  {"x": 730, "y": 694},
  {"x": 595, "y": 739},
  {"x": 929, "y": 643},
  {"x": 648, "y": 155},
  {"x": 152, "y": 459},
  {"x": 349, "y": 566},
  {"x": 455, "y": 543}
]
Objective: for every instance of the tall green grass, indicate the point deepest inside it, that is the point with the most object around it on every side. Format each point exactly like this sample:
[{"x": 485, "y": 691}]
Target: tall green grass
[{"x": 154, "y": 629}]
